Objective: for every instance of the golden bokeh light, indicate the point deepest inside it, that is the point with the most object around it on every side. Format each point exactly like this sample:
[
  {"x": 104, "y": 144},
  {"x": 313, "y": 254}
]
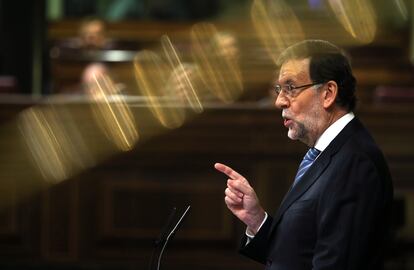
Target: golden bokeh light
[
  {"x": 54, "y": 142},
  {"x": 112, "y": 114},
  {"x": 152, "y": 75},
  {"x": 216, "y": 56},
  {"x": 180, "y": 83},
  {"x": 357, "y": 17},
  {"x": 276, "y": 25}
]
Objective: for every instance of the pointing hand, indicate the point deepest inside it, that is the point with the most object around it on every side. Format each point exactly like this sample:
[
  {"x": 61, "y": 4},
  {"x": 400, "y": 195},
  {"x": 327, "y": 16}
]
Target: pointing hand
[{"x": 241, "y": 199}]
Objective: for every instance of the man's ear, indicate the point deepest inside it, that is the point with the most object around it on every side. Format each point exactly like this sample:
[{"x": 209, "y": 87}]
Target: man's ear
[{"x": 330, "y": 92}]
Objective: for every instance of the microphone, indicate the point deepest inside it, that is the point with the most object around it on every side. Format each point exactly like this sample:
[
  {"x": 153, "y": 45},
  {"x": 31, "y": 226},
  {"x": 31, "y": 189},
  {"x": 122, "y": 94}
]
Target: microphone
[
  {"x": 164, "y": 231},
  {"x": 166, "y": 236}
]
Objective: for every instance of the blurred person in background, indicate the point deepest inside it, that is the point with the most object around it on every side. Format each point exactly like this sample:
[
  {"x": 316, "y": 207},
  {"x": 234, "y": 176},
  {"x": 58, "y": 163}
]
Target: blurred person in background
[
  {"x": 92, "y": 34},
  {"x": 83, "y": 50}
]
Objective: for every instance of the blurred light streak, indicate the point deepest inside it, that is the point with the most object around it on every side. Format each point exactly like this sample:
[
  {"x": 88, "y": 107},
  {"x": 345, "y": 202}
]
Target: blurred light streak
[
  {"x": 178, "y": 87},
  {"x": 216, "y": 55},
  {"x": 357, "y": 17},
  {"x": 112, "y": 113},
  {"x": 402, "y": 8},
  {"x": 180, "y": 81},
  {"x": 152, "y": 76},
  {"x": 276, "y": 25},
  {"x": 54, "y": 143}
]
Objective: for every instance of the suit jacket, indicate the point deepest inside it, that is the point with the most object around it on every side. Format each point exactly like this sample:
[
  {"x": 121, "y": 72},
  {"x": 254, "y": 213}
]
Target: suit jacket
[{"x": 337, "y": 216}]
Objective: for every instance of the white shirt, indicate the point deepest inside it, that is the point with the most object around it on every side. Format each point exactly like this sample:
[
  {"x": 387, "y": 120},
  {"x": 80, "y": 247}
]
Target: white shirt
[
  {"x": 332, "y": 131},
  {"x": 321, "y": 143}
]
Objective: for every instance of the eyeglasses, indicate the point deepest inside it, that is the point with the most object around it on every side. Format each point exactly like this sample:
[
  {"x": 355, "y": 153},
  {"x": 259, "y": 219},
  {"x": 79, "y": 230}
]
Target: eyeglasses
[{"x": 291, "y": 90}]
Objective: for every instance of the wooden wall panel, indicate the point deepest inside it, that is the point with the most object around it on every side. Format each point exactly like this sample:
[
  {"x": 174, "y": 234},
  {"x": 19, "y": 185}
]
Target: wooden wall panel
[
  {"x": 139, "y": 208},
  {"x": 60, "y": 221}
]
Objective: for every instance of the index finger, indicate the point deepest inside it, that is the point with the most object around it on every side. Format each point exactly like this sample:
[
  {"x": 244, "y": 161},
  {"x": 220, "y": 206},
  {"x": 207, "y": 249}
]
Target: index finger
[{"x": 228, "y": 171}]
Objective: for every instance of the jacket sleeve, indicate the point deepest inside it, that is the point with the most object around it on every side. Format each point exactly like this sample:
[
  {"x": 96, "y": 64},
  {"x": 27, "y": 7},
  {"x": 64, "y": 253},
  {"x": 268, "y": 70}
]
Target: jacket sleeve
[{"x": 257, "y": 248}]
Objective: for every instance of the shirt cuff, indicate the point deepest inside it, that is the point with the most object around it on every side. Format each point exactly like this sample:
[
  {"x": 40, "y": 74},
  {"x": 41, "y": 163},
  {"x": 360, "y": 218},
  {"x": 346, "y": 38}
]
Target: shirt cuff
[{"x": 249, "y": 234}]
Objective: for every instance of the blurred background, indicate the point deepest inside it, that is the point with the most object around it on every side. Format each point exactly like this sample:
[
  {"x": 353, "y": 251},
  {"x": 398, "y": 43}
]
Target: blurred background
[{"x": 112, "y": 113}]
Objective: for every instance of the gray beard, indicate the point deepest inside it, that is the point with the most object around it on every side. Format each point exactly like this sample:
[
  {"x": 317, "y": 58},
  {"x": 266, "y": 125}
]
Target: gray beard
[{"x": 301, "y": 132}]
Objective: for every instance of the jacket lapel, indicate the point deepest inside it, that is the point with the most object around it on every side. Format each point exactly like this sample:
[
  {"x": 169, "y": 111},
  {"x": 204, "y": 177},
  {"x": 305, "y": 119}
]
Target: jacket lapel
[
  {"x": 317, "y": 168},
  {"x": 303, "y": 185}
]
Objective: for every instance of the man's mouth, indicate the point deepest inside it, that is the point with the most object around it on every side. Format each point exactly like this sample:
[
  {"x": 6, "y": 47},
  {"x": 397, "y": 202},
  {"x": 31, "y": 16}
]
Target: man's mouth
[{"x": 287, "y": 122}]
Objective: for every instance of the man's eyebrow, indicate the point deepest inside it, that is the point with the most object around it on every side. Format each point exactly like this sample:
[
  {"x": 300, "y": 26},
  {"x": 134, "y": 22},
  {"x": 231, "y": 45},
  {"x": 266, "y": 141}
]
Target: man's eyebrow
[{"x": 287, "y": 81}]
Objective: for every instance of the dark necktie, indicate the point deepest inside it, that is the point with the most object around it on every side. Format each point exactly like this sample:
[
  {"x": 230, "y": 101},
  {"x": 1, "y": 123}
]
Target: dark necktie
[{"x": 306, "y": 163}]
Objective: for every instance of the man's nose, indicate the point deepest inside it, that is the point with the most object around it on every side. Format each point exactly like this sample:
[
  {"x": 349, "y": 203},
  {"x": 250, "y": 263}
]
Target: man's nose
[{"x": 281, "y": 101}]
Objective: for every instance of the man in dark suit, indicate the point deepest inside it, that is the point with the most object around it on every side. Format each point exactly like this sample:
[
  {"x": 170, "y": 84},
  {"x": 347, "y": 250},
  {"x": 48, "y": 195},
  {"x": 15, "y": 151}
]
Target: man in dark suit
[{"x": 337, "y": 213}]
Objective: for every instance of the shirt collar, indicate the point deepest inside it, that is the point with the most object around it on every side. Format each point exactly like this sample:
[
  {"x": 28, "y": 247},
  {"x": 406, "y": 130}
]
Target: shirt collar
[{"x": 332, "y": 131}]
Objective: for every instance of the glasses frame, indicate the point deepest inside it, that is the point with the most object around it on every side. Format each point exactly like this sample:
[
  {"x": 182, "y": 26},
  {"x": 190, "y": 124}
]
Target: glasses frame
[{"x": 289, "y": 89}]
